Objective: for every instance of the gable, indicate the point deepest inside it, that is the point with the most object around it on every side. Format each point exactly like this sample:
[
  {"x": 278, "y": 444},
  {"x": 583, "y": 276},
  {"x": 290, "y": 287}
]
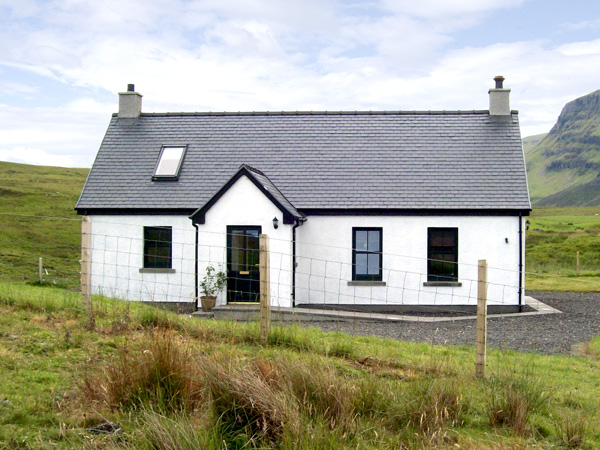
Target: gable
[{"x": 263, "y": 184}]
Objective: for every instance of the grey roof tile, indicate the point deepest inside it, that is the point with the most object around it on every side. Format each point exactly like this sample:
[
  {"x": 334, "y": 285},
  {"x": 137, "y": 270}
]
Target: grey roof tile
[{"x": 395, "y": 160}]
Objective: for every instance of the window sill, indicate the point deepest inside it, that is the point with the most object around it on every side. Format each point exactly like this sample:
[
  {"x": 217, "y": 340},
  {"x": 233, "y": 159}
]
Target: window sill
[
  {"x": 366, "y": 283},
  {"x": 443, "y": 283},
  {"x": 156, "y": 270}
]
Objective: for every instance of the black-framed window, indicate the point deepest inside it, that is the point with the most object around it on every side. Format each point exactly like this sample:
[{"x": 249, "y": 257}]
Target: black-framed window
[
  {"x": 367, "y": 256},
  {"x": 442, "y": 254},
  {"x": 169, "y": 163},
  {"x": 158, "y": 247}
]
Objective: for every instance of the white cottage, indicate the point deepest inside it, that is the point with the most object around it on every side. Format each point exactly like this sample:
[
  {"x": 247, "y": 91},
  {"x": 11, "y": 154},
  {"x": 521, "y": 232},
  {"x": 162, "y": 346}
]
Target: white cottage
[{"x": 370, "y": 209}]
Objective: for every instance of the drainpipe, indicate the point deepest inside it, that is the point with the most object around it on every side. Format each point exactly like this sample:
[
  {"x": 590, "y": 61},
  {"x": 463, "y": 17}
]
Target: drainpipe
[
  {"x": 297, "y": 223},
  {"x": 196, "y": 266},
  {"x": 520, "y": 262}
]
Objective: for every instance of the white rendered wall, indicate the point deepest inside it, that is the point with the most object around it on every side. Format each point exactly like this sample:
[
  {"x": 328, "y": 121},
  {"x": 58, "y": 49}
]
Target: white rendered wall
[
  {"x": 117, "y": 257},
  {"x": 324, "y": 256},
  {"x": 245, "y": 204}
]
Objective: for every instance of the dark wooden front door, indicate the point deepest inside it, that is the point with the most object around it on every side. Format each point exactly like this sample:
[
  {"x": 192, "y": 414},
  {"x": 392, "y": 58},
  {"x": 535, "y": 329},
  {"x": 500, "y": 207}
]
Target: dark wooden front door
[{"x": 243, "y": 274}]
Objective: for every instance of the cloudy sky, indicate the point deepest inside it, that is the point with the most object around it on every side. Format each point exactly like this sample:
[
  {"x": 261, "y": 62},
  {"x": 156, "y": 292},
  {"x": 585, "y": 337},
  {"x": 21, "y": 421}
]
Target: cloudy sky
[{"x": 63, "y": 62}]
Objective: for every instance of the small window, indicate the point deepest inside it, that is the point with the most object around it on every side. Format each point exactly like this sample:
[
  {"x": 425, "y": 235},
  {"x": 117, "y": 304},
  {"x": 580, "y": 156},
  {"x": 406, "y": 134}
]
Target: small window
[
  {"x": 442, "y": 254},
  {"x": 169, "y": 163},
  {"x": 367, "y": 254},
  {"x": 157, "y": 247}
]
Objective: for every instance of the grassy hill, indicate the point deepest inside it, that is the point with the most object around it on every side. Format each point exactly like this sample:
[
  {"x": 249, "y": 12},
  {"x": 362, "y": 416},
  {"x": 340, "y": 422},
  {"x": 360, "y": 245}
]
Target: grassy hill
[
  {"x": 564, "y": 167},
  {"x": 37, "y": 219},
  {"x": 530, "y": 142},
  {"x": 173, "y": 382}
]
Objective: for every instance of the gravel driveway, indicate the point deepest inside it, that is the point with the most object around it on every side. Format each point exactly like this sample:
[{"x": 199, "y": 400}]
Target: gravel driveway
[{"x": 552, "y": 333}]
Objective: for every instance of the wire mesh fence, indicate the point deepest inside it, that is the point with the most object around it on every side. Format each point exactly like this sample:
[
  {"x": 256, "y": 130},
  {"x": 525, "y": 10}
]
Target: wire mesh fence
[{"x": 308, "y": 283}]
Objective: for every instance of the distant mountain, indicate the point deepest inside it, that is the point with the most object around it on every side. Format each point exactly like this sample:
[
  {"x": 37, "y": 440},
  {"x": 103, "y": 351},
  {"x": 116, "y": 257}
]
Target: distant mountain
[
  {"x": 530, "y": 142},
  {"x": 564, "y": 166}
]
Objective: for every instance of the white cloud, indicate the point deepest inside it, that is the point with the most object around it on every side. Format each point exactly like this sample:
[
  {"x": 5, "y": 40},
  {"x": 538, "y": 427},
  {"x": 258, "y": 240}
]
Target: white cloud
[
  {"x": 27, "y": 155},
  {"x": 268, "y": 55},
  {"x": 581, "y": 48}
]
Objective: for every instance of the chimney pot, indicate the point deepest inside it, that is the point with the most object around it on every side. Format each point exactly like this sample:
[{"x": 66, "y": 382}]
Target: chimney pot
[
  {"x": 131, "y": 88},
  {"x": 499, "y": 80}
]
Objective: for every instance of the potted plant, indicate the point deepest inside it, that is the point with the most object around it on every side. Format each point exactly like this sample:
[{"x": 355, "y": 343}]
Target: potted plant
[{"x": 213, "y": 282}]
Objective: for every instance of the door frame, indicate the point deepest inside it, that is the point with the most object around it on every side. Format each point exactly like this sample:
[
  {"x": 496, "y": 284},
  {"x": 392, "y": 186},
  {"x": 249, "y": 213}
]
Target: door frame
[{"x": 230, "y": 230}]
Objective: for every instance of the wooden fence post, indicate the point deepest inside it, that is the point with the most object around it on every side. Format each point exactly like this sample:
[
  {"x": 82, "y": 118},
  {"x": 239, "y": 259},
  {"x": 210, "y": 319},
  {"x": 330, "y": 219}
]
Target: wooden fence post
[
  {"x": 265, "y": 297},
  {"x": 86, "y": 261},
  {"x": 40, "y": 270},
  {"x": 481, "y": 318},
  {"x": 577, "y": 263}
]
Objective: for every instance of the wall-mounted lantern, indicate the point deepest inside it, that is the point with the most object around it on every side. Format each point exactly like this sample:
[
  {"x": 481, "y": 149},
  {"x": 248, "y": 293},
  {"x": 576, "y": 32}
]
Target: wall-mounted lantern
[{"x": 275, "y": 223}]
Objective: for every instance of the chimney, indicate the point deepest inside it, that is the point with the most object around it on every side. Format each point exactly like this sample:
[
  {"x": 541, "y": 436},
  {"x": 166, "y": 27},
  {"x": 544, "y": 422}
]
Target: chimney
[
  {"x": 499, "y": 99},
  {"x": 130, "y": 103}
]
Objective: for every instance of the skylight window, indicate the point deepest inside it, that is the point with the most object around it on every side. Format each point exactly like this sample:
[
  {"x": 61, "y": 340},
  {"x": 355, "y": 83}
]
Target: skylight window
[{"x": 169, "y": 163}]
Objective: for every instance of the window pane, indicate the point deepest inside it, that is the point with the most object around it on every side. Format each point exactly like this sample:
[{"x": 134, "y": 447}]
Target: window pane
[
  {"x": 374, "y": 241},
  {"x": 436, "y": 238},
  {"x": 449, "y": 237},
  {"x": 361, "y": 264},
  {"x": 169, "y": 161},
  {"x": 157, "y": 247},
  {"x": 373, "y": 261},
  {"x": 443, "y": 254},
  {"x": 362, "y": 240}
]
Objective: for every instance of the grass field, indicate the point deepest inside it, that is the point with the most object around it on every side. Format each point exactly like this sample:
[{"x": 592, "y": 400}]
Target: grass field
[
  {"x": 555, "y": 236},
  {"x": 181, "y": 383},
  {"x": 37, "y": 219}
]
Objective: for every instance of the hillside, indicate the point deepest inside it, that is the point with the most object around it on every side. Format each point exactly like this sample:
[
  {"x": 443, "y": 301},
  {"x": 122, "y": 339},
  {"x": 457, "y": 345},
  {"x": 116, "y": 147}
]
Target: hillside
[
  {"x": 564, "y": 167},
  {"x": 530, "y": 142},
  {"x": 37, "y": 219}
]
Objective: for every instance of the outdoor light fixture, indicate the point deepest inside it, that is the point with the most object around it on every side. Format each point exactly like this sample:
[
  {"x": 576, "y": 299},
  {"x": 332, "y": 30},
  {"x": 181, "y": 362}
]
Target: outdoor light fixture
[
  {"x": 275, "y": 223},
  {"x": 527, "y": 223}
]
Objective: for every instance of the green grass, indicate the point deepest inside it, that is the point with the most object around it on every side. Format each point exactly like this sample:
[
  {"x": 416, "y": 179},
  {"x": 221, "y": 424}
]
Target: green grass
[
  {"x": 180, "y": 382},
  {"x": 49, "y": 194},
  {"x": 555, "y": 236}
]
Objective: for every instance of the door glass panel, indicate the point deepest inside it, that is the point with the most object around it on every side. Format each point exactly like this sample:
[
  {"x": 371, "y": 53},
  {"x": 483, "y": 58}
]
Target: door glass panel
[{"x": 237, "y": 251}]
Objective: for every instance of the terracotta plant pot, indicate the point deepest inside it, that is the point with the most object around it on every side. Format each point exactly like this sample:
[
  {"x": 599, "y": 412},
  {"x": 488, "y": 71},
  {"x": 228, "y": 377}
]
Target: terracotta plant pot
[{"x": 208, "y": 302}]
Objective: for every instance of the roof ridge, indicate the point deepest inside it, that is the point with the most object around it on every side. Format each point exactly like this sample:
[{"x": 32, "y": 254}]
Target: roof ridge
[{"x": 317, "y": 113}]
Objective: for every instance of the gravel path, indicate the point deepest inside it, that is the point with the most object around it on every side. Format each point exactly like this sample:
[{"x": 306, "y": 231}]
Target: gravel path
[{"x": 553, "y": 333}]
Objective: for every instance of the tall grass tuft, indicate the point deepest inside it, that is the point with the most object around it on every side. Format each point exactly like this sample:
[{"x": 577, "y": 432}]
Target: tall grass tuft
[
  {"x": 178, "y": 432},
  {"x": 571, "y": 431},
  {"x": 434, "y": 405},
  {"x": 162, "y": 376},
  {"x": 320, "y": 391},
  {"x": 513, "y": 399},
  {"x": 248, "y": 402}
]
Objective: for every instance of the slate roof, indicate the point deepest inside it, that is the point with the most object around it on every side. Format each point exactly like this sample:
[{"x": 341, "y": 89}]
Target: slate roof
[{"x": 330, "y": 160}]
